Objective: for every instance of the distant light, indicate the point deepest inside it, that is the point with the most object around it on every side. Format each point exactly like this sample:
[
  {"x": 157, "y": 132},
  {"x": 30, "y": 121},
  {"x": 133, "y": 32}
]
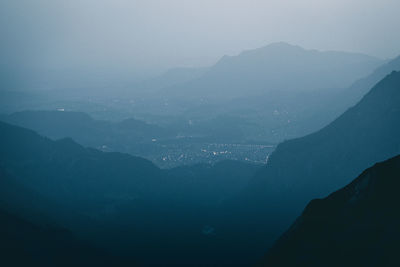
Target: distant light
[
  {"x": 60, "y": 109},
  {"x": 154, "y": 140}
]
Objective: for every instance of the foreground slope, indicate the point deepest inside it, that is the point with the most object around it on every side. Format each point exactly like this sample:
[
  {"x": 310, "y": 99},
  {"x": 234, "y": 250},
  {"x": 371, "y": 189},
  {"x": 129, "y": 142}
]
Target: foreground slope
[
  {"x": 359, "y": 225},
  {"x": 121, "y": 203},
  {"x": 313, "y": 166},
  {"x": 65, "y": 169},
  {"x": 366, "y": 133},
  {"x": 23, "y": 243}
]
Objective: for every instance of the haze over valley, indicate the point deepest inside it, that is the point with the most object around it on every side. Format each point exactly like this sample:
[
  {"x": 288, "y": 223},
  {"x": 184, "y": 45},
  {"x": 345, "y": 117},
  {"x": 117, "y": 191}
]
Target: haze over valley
[{"x": 213, "y": 133}]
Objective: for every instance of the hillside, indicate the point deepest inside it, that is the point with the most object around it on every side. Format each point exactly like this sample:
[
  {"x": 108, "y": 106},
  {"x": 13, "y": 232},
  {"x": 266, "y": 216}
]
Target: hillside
[
  {"x": 313, "y": 166},
  {"x": 358, "y": 225},
  {"x": 364, "y": 134},
  {"x": 121, "y": 203},
  {"x": 23, "y": 243}
]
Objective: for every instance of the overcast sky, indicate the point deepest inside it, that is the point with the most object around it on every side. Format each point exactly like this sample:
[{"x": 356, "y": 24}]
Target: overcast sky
[{"x": 154, "y": 34}]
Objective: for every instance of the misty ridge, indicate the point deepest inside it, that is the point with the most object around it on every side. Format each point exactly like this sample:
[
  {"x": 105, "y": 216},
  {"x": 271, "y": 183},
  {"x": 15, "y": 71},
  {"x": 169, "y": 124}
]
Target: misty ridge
[{"x": 133, "y": 136}]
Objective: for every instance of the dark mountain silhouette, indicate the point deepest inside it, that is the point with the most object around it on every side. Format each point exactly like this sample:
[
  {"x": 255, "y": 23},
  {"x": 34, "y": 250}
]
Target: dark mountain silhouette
[
  {"x": 173, "y": 144},
  {"x": 60, "y": 164},
  {"x": 86, "y": 130},
  {"x": 311, "y": 167},
  {"x": 126, "y": 202},
  {"x": 257, "y": 71},
  {"x": 129, "y": 204},
  {"x": 44, "y": 164},
  {"x": 150, "y": 204},
  {"x": 20, "y": 200},
  {"x": 358, "y": 225},
  {"x": 23, "y": 243}
]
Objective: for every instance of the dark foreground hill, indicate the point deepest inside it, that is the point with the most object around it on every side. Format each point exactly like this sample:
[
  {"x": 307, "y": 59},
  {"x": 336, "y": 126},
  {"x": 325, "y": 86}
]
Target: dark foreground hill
[
  {"x": 23, "y": 243},
  {"x": 122, "y": 204},
  {"x": 315, "y": 165},
  {"x": 133, "y": 205},
  {"x": 358, "y": 225},
  {"x": 117, "y": 136}
]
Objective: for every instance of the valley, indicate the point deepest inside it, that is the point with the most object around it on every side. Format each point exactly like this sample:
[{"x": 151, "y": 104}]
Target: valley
[{"x": 199, "y": 133}]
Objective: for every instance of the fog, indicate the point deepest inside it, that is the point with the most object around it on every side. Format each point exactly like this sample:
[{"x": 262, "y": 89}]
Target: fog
[
  {"x": 194, "y": 133},
  {"x": 139, "y": 38}
]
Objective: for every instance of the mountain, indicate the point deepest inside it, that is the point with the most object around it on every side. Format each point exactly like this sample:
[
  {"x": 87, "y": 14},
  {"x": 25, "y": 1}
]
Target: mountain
[
  {"x": 269, "y": 94},
  {"x": 313, "y": 166},
  {"x": 121, "y": 203},
  {"x": 358, "y": 89},
  {"x": 278, "y": 66},
  {"x": 56, "y": 168},
  {"x": 131, "y": 136},
  {"x": 86, "y": 130},
  {"x": 364, "y": 134},
  {"x": 274, "y": 93},
  {"x": 170, "y": 145},
  {"x": 23, "y": 243},
  {"x": 358, "y": 225},
  {"x": 65, "y": 170}
]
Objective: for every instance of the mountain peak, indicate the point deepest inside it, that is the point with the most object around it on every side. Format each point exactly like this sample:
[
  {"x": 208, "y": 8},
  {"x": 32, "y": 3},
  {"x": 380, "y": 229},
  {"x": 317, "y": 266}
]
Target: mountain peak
[
  {"x": 276, "y": 47},
  {"x": 282, "y": 44},
  {"x": 278, "y": 66}
]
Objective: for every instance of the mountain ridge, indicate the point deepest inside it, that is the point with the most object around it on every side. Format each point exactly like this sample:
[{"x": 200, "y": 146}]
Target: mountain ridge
[
  {"x": 355, "y": 225},
  {"x": 312, "y": 166},
  {"x": 264, "y": 69}
]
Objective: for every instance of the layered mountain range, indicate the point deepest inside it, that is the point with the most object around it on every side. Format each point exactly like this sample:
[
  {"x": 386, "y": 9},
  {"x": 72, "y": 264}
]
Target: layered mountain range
[
  {"x": 277, "y": 67},
  {"x": 211, "y": 214},
  {"x": 123, "y": 204},
  {"x": 315, "y": 165}
]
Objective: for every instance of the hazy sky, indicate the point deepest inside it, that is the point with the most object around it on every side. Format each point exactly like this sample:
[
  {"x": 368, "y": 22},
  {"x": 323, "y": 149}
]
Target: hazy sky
[{"x": 154, "y": 34}]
